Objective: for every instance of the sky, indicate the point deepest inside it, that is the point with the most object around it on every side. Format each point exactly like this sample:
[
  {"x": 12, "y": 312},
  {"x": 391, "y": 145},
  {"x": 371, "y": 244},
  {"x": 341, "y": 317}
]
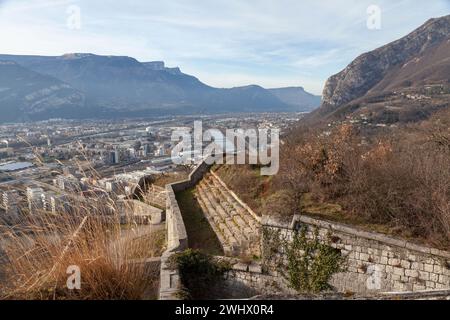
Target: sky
[{"x": 225, "y": 43}]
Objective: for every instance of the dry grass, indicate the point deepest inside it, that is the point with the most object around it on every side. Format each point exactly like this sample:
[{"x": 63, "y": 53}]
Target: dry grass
[
  {"x": 36, "y": 251},
  {"x": 148, "y": 246},
  {"x": 247, "y": 182},
  {"x": 166, "y": 178}
]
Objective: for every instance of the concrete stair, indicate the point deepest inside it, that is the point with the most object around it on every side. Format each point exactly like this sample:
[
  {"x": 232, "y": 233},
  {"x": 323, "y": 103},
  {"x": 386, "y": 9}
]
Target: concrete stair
[{"x": 236, "y": 228}]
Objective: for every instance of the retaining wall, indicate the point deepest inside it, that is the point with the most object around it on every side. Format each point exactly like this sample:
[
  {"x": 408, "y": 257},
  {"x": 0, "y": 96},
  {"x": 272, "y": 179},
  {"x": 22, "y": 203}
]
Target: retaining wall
[
  {"x": 248, "y": 281},
  {"x": 373, "y": 262},
  {"x": 177, "y": 239}
]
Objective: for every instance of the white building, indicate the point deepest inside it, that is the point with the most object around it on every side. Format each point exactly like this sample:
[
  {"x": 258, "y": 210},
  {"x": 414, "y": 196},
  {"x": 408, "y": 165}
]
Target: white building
[
  {"x": 11, "y": 200},
  {"x": 67, "y": 182},
  {"x": 58, "y": 203},
  {"x": 34, "y": 197}
]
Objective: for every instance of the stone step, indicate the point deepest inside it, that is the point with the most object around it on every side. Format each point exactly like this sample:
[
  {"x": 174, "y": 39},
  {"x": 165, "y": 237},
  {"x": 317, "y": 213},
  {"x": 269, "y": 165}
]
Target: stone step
[
  {"x": 236, "y": 228},
  {"x": 228, "y": 234},
  {"x": 236, "y": 225},
  {"x": 229, "y": 243},
  {"x": 213, "y": 224},
  {"x": 235, "y": 208},
  {"x": 223, "y": 194},
  {"x": 214, "y": 210},
  {"x": 229, "y": 198}
]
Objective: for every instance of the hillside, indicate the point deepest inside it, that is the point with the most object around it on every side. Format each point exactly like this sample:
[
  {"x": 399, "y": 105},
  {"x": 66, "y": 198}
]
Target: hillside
[
  {"x": 404, "y": 80},
  {"x": 344, "y": 163},
  {"x": 25, "y": 94}
]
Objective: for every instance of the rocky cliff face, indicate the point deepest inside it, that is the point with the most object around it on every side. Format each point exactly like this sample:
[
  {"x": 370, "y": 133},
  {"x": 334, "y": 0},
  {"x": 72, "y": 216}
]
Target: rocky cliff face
[{"x": 369, "y": 69}]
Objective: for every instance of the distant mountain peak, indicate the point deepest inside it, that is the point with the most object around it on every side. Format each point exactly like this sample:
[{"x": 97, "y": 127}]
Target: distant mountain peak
[
  {"x": 297, "y": 96},
  {"x": 160, "y": 66},
  {"x": 90, "y": 85},
  {"x": 76, "y": 55},
  {"x": 410, "y": 63},
  {"x": 368, "y": 69},
  {"x": 290, "y": 88},
  {"x": 249, "y": 86},
  {"x": 155, "y": 65}
]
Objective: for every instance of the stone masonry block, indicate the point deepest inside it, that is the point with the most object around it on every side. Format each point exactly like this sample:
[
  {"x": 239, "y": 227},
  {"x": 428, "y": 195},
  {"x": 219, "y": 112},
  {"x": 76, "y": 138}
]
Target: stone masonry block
[
  {"x": 428, "y": 267},
  {"x": 437, "y": 269},
  {"x": 364, "y": 256},
  {"x": 423, "y": 275},
  {"x": 412, "y": 273},
  {"x": 417, "y": 266},
  {"x": 255, "y": 268},
  {"x": 405, "y": 264},
  {"x": 399, "y": 271},
  {"x": 394, "y": 262}
]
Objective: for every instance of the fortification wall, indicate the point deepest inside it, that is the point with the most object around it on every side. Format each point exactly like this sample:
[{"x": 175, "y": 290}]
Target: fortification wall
[
  {"x": 177, "y": 239},
  {"x": 373, "y": 262}
]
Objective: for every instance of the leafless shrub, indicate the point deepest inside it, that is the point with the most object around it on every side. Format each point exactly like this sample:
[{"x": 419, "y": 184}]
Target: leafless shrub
[{"x": 397, "y": 177}]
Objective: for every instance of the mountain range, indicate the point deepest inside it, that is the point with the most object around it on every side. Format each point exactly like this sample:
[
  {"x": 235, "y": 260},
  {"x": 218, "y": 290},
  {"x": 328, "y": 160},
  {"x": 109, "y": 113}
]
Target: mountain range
[
  {"x": 82, "y": 85},
  {"x": 405, "y": 80}
]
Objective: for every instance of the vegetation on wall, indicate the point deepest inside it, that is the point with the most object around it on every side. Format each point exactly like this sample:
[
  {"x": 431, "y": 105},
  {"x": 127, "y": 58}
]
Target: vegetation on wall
[
  {"x": 306, "y": 262},
  {"x": 311, "y": 263}
]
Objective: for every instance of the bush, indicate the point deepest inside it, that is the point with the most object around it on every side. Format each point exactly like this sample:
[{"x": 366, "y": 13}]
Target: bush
[
  {"x": 400, "y": 178},
  {"x": 199, "y": 271}
]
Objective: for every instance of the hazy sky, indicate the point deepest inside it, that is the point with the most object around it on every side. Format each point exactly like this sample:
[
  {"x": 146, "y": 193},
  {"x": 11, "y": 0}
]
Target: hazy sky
[{"x": 224, "y": 43}]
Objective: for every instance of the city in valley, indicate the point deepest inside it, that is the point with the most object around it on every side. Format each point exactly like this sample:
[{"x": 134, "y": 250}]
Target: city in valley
[{"x": 45, "y": 163}]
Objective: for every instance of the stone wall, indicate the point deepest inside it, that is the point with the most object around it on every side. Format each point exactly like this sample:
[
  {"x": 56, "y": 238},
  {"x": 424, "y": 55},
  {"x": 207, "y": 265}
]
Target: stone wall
[
  {"x": 373, "y": 262},
  {"x": 177, "y": 239},
  {"x": 237, "y": 229},
  {"x": 139, "y": 212},
  {"x": 246, "y": 281},
  {"x": 194, "y": 177}
]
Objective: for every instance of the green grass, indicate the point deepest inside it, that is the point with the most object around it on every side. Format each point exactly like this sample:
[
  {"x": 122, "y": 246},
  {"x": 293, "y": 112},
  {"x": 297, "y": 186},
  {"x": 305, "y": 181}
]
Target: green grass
[{"x": 200, "y": 234}]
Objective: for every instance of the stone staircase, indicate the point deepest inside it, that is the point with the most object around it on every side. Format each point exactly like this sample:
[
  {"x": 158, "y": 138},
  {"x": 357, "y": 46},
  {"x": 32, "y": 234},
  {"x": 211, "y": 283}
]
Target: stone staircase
[
  {"x": 237, "y": 229},
  {"x": 156, "y": 196}
]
